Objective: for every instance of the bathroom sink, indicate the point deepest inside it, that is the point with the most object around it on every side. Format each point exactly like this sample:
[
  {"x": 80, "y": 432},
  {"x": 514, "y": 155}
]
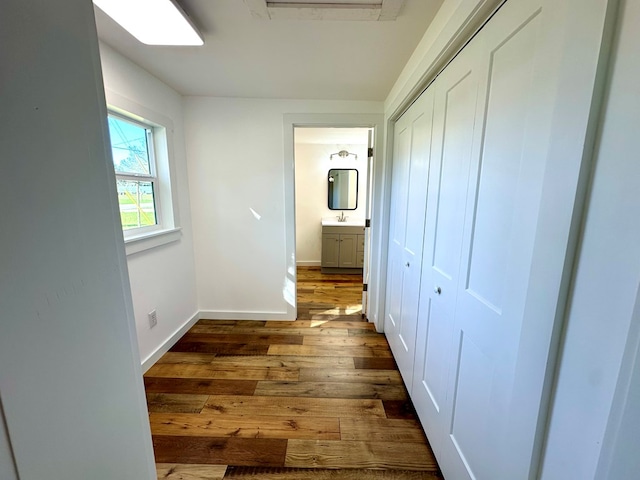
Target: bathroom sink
[{"x": 333, "y": 222}]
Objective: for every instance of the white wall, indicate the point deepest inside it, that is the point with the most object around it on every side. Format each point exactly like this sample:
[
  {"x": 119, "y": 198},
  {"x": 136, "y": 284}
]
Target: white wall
[
  {"x": 312, "y": 167},
  {"x": 70, "y": 375},
  {"x": 162, "y": 278},
  {"x": 236, "y": 159},
  {"x": 606, "y": 283}
]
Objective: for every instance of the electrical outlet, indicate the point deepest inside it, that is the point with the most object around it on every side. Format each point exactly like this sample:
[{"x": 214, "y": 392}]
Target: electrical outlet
[{"x": 153, "y": 318}]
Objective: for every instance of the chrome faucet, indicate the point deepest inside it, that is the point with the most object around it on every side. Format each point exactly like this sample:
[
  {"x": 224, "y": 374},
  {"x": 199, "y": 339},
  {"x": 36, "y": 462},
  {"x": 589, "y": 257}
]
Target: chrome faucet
[{"x": 342, "y": 218}]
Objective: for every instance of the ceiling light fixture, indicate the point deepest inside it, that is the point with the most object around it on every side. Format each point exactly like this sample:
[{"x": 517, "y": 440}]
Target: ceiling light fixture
[
  {"x": 342, "y": 154},
  {"x": 153, "y": 22}
]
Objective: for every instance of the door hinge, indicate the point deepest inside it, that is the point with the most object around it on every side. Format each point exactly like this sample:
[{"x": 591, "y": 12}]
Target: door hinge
[
  {"x": 365, "y": 287},
  {"x": 367, "y": 223},
  {"x": 370, "y": 152}
]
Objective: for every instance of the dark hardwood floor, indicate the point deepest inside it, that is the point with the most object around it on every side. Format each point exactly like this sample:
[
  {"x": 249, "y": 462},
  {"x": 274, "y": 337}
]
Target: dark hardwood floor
[{"x": 318, "y": 398}]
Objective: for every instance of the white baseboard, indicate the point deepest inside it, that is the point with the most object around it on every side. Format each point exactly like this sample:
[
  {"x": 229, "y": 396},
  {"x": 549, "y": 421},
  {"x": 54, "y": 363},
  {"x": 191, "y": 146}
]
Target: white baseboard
[
  {"x": 209, "y": 315},
  {"x": 308, "y": 263},
  {"x": 235, "y": 315},
  {"x": 170, "y": 342}
]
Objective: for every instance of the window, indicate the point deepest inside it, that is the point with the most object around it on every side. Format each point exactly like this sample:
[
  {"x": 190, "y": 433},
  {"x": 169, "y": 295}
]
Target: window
[
  {"x": 135, "y": 167},
  {"x": 141, "y": 146}
]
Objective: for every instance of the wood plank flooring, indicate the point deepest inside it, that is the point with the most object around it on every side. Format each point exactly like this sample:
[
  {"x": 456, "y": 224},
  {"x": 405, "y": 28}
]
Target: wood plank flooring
[{"x": 317, "y": 398}]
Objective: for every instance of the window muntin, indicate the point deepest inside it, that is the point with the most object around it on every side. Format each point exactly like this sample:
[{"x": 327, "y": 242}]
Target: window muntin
[
  {"x": 135, "y": 167},
  {"x": 137, "y": 206}
]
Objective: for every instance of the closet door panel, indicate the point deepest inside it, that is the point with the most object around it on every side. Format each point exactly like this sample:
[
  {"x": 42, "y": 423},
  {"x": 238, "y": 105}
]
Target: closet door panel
[
  {"x": 506, "y": 184},
  {"x": 417, "y": 188},
  {"x": 499, "y": 230},
  {"x": 456, "y": 94},
  {"x": 514, "y": 250},
  {"x": 401, "y": 156},
  {"x": 406, "y": 265}
]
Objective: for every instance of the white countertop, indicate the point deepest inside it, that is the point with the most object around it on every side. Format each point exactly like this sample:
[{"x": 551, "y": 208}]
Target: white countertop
[{"x": 350, "y": 222}]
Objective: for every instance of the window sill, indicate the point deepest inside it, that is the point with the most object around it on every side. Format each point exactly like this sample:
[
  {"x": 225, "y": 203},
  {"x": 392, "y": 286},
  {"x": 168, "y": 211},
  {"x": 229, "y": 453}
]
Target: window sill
[{"x": 151, "y": 240}]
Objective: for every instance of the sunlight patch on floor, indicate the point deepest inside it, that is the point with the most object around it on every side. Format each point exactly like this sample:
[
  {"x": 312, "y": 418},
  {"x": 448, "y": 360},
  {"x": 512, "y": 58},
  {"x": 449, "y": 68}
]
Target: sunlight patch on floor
[{"x": 318, "y": 323}]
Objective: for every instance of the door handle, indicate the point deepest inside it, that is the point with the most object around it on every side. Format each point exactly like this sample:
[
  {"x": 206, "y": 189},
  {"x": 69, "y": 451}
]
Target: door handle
[
  {"x": 437, "y": 290},
  {"x": 407, "y": 265}
]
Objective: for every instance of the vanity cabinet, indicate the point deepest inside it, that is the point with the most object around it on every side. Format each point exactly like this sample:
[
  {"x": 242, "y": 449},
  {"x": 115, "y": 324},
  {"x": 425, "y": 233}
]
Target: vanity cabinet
[
  {"x": 342, "y": 248},
  {"x": 330, "y": 250}
]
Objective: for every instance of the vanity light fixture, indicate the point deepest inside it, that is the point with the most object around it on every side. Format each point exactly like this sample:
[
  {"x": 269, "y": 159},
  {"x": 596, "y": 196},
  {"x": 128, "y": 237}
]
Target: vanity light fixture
[
  {"x": 342, "y": 154},
  {"x": 153, "y": 22}
]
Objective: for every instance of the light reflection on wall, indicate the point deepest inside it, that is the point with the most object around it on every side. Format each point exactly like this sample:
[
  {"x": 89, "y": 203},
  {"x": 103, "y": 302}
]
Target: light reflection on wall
[
  {"x": 255, "y": 214},
  {"x": 289, "y": 288}
]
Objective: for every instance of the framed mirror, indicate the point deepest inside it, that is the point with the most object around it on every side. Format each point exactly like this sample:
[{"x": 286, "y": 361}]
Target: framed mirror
[{"x": 343, "y": 188}]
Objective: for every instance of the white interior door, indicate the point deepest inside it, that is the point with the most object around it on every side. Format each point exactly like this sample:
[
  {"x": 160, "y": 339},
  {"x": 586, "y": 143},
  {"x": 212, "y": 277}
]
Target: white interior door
[
  {"x": 502, "y": 208},
  {"x": 510, "y": 121},
  {"x": 513, "y": 247},
  {"x": 409, "y": 189},
  {"x": 367, "y": 231},
  {"x": 456, "y": 93}
]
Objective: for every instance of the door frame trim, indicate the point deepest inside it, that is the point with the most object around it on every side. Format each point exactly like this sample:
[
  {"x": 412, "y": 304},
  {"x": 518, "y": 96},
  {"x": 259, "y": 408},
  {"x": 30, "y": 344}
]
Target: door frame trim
[{"x": 329, "y": 120}]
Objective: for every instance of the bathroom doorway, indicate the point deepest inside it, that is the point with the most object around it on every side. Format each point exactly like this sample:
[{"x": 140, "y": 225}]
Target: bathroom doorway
[{"x": 333, "y": 172}]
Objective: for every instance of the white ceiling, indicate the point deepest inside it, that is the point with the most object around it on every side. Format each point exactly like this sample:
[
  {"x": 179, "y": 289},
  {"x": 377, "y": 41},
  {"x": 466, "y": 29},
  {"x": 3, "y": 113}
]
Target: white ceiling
[{"x": 246, "y": 56}]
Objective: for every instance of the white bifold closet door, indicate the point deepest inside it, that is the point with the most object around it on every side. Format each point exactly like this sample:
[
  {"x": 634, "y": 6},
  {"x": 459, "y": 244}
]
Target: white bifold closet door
[
  {"x": 496, "y": 196},
  {"x": 412, "y": 146},
  {"x": 456, "y": 96}
]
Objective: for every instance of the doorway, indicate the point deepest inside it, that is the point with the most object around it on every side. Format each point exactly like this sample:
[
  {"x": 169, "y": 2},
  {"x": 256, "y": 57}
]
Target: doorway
[
  {"x": 333, "y": 172},
  {"x": 377, "y": 266}
]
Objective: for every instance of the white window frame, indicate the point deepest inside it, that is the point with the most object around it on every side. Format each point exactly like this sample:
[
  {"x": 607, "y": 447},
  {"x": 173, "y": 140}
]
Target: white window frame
[
  {"x": 167, "y": 228},
  {"x": 152, "y": 177}
]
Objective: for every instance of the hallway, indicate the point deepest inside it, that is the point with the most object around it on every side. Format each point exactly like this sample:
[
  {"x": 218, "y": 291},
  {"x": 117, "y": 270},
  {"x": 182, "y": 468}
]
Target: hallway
[{"x": 287, "y": 400}]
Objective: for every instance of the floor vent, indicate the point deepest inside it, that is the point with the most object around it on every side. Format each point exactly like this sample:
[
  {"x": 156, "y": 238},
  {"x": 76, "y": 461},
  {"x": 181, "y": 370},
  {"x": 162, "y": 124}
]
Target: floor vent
[{"x": 262, "y": 473}]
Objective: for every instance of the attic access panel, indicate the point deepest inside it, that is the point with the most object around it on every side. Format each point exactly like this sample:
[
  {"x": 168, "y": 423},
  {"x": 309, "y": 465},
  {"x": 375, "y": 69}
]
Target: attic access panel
[
  {"x": 329, "y": 2},
  {"x": 364, "y": 10}
]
